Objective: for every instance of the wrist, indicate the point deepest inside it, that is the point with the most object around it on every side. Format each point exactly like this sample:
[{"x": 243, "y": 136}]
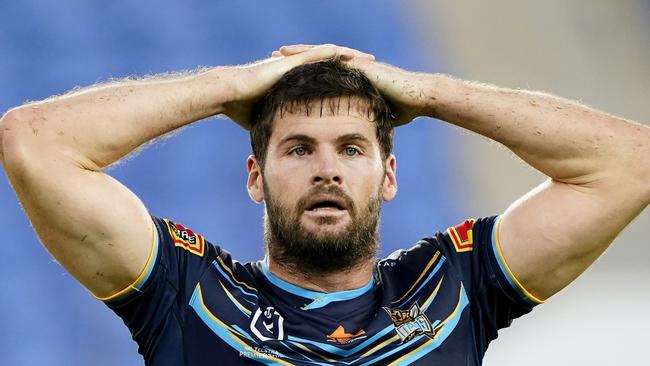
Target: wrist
[
  {"x": 437, "y": 90},
  {"x": 217, "y": 89}
]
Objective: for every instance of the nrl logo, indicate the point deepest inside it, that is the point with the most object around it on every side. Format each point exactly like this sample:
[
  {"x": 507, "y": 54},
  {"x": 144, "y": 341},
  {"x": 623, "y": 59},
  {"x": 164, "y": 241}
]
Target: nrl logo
[
  {"x": 267, "y": 324},
  {"x": 410, "y": 323}
]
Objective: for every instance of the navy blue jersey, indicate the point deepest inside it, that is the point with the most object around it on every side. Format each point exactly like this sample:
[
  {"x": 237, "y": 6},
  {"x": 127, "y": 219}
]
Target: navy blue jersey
[{"x": 439, "y": 303}]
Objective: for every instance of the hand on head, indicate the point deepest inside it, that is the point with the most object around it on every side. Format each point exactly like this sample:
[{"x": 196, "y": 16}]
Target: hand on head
[
  {"x": 402, "y": 88},
  {"x": 252, "y": 81},
  {"x": 344, "y": 53}
]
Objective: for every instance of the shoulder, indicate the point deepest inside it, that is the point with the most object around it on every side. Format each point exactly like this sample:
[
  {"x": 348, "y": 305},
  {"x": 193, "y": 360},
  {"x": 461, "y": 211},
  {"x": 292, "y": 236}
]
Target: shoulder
[
  {"x": 461, "y": 238},
  {"x": 454, "y": 251}
]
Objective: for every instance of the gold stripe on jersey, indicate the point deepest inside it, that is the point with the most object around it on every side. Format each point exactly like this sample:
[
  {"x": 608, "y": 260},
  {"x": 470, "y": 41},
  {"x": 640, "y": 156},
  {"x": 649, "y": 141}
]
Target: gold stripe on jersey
[
  {"x": 380, "y": 346},
  {"x": 426, "y": 269},
  {"x": 232, "y": 276},
  {"x": 234, "y": 300},
  {"x": 425, "y": 304},
  {"x": 300, "y": 345},
  {"x": 453, "y": 313}
]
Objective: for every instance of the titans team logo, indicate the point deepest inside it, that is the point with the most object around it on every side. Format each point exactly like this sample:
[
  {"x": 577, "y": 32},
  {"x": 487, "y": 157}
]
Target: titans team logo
[{"x": 410, "y": 323}]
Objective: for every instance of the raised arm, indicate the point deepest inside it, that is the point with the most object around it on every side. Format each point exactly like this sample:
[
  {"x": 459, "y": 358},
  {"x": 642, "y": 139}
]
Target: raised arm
[
  {"x": 599, "y": 169},
  {"x": 598, "y": 164},
  {"x": 53, "y": 152}
]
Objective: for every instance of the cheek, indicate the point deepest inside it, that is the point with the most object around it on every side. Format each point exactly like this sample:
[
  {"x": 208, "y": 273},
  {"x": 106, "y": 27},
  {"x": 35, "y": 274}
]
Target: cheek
[
  {"x": 373, "y": 171},
  {"x": 365, "y": 183},
  {"x": 282, "y": 187}
]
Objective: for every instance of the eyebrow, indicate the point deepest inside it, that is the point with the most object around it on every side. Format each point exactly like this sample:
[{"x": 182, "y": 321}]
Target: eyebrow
[
  {"x": 312, "y": 141},
  {"x": 298, "y": 138},
  {"x": 353, "y": 137}
]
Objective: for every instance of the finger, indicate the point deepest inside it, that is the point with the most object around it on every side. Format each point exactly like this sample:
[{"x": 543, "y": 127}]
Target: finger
[
  {"x": 276, "y": 54},
  {"x": 293, "y": 49},
  {"x": 357, "y": 53},
  {"x": 321, "y": 53},
  {"x": 345, "y": 52}
]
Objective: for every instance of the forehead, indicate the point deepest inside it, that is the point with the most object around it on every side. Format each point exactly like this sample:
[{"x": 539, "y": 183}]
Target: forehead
[{"x": 325, "y": 119}]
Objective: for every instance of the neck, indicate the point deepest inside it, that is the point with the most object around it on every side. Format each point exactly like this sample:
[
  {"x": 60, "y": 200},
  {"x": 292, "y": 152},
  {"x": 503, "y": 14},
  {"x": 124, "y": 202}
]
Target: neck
[{"x": 352, "y": 278}]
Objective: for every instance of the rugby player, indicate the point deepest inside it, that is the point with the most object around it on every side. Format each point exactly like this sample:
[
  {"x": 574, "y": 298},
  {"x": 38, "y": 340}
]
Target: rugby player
[{"x": 321, "y": 121}]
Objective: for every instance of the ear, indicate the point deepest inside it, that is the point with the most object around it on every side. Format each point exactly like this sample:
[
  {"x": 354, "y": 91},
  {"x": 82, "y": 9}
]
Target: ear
[
  {"x": 390, "y": 179},
  {"x": 254, "y": 183}
]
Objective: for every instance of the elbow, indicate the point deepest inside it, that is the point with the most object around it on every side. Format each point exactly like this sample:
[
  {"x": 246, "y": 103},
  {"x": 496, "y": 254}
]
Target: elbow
[
  {"x": 6, "y": 122},
  {"x": 17, "y": 131},
  {"x": 28, "y": 141}
]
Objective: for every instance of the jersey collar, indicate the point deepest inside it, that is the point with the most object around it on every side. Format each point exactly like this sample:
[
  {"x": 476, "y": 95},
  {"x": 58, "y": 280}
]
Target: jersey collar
[{"x": 319, "y": 299}]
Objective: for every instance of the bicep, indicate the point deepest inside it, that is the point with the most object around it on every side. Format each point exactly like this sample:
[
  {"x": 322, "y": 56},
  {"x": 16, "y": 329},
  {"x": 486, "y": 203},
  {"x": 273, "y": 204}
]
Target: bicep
[
  {"x": 552, "y": 234},
  {"x": 93, "y": 225}
]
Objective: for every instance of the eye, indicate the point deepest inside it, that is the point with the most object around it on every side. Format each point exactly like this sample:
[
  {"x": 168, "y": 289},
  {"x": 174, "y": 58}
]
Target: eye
[
  {"x": 351, "y": 151},
  {"x": 299, "y": 151}
]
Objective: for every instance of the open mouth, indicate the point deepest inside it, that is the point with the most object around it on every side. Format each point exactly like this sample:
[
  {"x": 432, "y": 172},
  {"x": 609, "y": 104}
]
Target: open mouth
[{"x": 323, "y": 203}]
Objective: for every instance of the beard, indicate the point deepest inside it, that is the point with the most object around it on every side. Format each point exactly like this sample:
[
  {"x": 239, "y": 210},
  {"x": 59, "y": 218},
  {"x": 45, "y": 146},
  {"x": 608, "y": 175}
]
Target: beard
[{"x": 310, "y": 253}]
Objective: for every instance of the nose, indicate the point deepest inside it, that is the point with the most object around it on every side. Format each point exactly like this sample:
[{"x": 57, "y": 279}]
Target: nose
[{"x": 326, "y": 169}]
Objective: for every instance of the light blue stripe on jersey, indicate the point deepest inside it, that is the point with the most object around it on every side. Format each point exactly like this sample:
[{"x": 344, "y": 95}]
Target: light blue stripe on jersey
[
  {"x": 218, "y": 327},
  {"x": 445, "y": 331},
  {"x": 234, "y": 301},
  {"x": 214, "y": 263},
  {"x": 151, "y": 262},
  {"x": 320, "y": 299},
  {"x": 309, "y": 360},
  {"x": 343, "y": 352},
  {"x": 243, "y": 332},
  {"x": 433, "y": 272}
]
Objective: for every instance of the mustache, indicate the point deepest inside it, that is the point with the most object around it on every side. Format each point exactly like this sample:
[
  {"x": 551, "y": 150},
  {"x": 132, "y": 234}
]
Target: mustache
[{"x": 330, "y": 190}]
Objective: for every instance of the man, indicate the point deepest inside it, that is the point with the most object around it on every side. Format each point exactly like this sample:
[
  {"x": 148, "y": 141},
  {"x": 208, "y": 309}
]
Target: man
[{"x": 321, "y": 121}]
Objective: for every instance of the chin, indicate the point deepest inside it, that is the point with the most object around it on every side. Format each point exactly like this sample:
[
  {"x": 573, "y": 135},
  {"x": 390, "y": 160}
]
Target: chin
[
  {"x": 327, "y": 232},
  {"x": 325, "y": 228}
]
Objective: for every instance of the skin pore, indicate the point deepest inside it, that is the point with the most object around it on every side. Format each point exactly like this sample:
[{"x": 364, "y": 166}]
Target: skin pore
[{"x": 322, "y": 183}]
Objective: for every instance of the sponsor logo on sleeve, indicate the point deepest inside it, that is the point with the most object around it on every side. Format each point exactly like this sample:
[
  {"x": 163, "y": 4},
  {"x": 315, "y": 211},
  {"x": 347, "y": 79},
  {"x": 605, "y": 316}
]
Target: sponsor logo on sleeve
[{"x": 186, "y": 238}]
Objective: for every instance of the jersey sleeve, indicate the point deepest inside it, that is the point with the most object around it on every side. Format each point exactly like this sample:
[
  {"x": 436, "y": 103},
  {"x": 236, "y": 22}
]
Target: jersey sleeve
[
  {"x": 178, "y": 259},
  {"x": 496, "y": 296}
]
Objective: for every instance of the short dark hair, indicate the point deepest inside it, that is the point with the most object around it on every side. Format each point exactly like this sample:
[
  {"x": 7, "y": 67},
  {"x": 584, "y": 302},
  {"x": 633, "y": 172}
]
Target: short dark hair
[{"x": 327, "y": 83}]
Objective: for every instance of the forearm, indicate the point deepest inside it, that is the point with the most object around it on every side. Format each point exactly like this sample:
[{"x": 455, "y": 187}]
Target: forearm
[
  {"x": 98, "y": 126},
  {"x": 564, "y": 140}
]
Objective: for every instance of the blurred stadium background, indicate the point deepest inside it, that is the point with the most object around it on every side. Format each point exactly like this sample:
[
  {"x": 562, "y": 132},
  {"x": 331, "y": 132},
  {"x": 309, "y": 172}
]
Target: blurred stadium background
[{"x": 597, "y": 52}]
